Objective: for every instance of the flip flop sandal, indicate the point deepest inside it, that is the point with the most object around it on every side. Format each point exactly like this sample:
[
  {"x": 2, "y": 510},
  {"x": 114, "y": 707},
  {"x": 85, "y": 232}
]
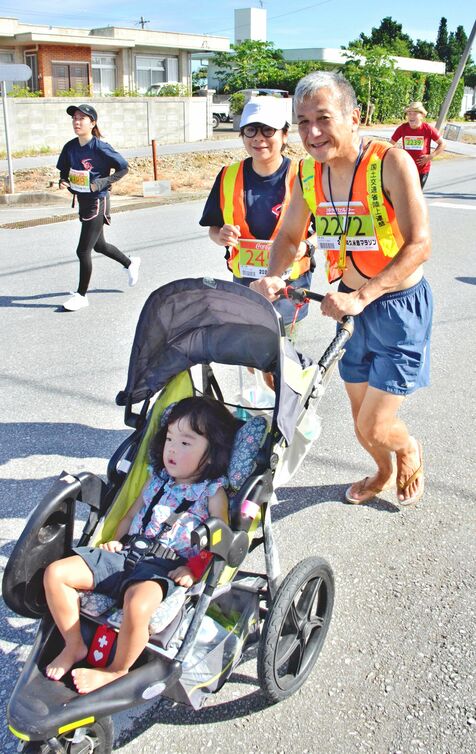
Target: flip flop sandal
[
  {"x": 370, "y": 493},
  {"x": 417, "y": 474}
]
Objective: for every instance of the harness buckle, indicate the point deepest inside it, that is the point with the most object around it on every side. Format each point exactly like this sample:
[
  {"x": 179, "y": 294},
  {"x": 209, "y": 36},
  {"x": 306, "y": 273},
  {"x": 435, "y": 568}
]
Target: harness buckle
[{"x": 139, "y": 547}]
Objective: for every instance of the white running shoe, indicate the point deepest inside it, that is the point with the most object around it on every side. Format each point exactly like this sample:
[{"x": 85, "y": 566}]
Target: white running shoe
[
  {"x": 133, "y": 270},
  {"x": 76, "y": 302}
]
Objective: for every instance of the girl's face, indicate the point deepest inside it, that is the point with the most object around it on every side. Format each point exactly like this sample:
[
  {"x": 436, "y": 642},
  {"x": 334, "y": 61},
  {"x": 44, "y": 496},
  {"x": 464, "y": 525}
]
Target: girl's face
[
  {"x": 184, "y": 451},
  {"x": 83, "y": 125}
]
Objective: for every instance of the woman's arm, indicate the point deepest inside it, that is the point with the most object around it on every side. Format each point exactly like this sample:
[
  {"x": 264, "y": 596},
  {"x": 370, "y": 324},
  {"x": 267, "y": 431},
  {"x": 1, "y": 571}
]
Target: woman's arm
[{"x": 227, "y": 235}]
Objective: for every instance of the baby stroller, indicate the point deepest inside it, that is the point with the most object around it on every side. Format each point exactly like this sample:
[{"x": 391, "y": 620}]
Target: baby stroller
[{"x": 193, "y": 651}]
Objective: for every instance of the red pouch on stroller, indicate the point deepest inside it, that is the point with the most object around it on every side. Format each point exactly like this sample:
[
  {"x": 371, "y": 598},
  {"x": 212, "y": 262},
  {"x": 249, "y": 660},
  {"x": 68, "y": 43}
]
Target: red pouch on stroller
[{"x": 101, "y": 646}]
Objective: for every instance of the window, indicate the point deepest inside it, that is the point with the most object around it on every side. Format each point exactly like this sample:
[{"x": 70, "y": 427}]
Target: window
[
  {"x": 70, "y": 76},
  {"x": 31, "y": 59},
  {"x": 104, "y": 73},
  {"x": 7, "y": 57},
  {"x": 154, "y": 70}
]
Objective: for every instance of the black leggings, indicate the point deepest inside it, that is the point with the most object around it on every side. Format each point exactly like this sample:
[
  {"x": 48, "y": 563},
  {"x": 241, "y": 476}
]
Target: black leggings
[
  {"x": 423, "y": 178},
  {"x": 92, "y": 237}
]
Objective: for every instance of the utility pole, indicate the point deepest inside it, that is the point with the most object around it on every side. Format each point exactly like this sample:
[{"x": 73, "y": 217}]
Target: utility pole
[
  {"x": 458, "y": 73},
  {"x": 142, "y": 22}
]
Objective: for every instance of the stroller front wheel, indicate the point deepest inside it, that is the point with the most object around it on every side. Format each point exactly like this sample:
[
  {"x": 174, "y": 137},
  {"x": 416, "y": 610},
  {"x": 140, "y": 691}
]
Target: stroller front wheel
[
  {"x": 295, "y": 628},
  {"x": 97, "y": 737}
]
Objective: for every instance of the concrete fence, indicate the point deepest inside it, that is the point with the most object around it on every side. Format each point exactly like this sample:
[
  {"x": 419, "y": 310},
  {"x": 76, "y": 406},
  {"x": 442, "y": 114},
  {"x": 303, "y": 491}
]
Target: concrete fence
[{"x": 34, "y": 123}]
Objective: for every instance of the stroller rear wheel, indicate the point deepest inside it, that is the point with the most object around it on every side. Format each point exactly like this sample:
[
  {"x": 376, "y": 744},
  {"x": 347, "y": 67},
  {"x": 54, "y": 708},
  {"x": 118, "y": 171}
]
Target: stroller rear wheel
[
  {"x": 97, "y": 737},
  {"x": 295, "y": 628}
]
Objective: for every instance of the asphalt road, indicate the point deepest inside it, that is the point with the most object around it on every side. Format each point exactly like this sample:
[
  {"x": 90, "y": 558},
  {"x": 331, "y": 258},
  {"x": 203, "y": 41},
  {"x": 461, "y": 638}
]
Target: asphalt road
[{"x": 396, "y": 674}]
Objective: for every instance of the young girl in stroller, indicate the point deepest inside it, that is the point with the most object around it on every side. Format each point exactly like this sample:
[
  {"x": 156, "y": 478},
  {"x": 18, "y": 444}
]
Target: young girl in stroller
[{"x": 189, "y": 458}]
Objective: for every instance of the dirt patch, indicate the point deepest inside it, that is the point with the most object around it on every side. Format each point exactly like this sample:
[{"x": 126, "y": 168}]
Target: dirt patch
[{"x": 187, "y": 173}]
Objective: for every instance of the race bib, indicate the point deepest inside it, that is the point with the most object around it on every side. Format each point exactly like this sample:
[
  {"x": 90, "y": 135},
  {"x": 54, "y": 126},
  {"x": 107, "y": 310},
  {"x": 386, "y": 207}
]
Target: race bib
[
  {"x": 253, "y": 258},
  {"x": 330, "y": 227},
  {"x": 79, "y": 180},
  {"x": 414, "y": 142}
]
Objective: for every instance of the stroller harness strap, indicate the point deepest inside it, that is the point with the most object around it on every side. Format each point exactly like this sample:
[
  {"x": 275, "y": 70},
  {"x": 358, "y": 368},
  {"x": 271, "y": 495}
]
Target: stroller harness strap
[{"x": 140, "y": 546}]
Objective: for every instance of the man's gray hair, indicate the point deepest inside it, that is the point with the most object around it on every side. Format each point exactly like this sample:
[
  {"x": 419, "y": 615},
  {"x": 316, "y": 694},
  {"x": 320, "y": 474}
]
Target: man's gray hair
[{"x": 309, "y": 85}]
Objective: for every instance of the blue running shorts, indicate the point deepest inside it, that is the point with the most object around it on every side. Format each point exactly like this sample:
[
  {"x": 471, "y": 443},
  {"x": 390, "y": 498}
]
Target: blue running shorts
[
  {"x": 111, "y": 578},
  {"x": 390, "y": 347}
]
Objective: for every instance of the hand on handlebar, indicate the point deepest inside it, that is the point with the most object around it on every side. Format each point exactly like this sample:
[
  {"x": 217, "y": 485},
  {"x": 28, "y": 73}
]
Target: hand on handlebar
[
  {"x": 338, "y": 305},
  {"x": 269, "y": 287}
]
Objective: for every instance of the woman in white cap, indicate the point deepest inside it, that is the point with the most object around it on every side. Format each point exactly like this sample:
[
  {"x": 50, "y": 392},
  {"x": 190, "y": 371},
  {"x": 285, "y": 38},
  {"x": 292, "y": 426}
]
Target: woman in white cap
[
  {"x": 85, "y": 164},
  {"x": 416, "y": 136},
  {"x": 249, "y": 198}
]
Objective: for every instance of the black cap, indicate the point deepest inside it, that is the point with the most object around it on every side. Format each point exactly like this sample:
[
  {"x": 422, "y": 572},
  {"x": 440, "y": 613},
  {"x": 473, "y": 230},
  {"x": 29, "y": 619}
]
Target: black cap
[{"x": 86, "y": 109}]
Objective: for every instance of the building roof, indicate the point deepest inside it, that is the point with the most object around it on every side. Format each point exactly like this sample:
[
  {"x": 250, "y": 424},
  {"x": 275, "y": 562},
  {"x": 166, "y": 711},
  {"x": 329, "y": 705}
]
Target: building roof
[
  {"x": 339, "y": 56},
  {"x": 14, "y": 33}
]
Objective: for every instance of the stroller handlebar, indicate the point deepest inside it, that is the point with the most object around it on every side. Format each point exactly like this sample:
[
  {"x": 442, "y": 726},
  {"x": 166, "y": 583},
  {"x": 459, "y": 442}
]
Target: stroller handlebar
[
  {"x": 302, "y": 295},
  {"x": 344, "y": 332}
]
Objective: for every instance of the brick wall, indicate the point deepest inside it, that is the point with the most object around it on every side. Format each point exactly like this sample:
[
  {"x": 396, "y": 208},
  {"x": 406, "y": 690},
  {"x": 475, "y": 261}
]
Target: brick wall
[{"x": 63, "y": 54}]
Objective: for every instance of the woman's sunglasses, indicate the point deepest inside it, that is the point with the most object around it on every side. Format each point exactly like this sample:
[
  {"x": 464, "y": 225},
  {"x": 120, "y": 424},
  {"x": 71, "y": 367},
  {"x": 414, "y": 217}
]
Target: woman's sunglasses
[{"x": 253, "y": 129}]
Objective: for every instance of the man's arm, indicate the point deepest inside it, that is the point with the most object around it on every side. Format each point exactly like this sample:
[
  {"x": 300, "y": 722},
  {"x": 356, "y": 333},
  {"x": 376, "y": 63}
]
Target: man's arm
[{"x": 285, "y": 247}]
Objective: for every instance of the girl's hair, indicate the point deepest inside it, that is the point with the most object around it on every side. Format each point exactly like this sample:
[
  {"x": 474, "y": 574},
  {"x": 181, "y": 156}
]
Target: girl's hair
[
  {"x": 209, "y": 418},
  {"x": 309, "y": 85},
  {"x": 96, "y": 132}
]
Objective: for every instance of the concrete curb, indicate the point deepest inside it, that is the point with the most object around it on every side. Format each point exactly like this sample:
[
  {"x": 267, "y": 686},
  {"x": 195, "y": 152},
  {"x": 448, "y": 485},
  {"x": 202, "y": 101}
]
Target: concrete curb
[
  {"x": 128, "y": 204},
  {"x": 31, "y": 197}
]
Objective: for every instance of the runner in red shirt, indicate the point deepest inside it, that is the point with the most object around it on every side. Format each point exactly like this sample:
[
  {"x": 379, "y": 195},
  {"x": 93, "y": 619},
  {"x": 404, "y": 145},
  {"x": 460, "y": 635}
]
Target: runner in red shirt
[{"x": 416, "y": 136}]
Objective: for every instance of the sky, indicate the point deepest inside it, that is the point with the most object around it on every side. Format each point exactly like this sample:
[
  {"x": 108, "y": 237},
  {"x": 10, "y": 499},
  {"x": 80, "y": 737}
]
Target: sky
[{"x": 291, "y": 23}]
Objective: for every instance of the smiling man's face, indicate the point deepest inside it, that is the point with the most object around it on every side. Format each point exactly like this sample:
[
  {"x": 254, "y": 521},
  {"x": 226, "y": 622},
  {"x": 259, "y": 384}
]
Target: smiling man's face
[{"x": 326, "y": 129}]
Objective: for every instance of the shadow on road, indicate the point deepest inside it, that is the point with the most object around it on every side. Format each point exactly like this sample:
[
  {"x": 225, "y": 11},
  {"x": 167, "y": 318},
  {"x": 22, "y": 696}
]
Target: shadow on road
[
  {"x": 34, "y": 302},
  {"x": 293, "y": 499}
]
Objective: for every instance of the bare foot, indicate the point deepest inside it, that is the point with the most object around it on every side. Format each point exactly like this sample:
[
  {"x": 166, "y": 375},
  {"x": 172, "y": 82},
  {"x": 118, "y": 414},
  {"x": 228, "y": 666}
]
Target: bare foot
[
  {"x": 410, "y": 478},
  {"x": 368, "y": 488},
  {"x": 90, "y": 679},
  {"x": 65, "y": 661}
]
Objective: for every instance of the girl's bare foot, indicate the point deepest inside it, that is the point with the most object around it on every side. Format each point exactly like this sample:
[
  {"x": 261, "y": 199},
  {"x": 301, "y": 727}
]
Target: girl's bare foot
[
  {"x": 65, "y": 661},
  {"x": 90, "y": 679}
]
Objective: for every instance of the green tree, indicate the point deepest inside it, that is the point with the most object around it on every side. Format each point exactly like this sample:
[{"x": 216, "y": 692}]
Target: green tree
[
  {"x": 251, "y": 64},
  {"x": 199, "y": 78},
  {"x": 388, "y": 35},
  {"x": 456, "y": 46},
  {"x": 371, "y": 71},
  {"x": 424, "y": 50},
  {"x": 442, "y": 40}
]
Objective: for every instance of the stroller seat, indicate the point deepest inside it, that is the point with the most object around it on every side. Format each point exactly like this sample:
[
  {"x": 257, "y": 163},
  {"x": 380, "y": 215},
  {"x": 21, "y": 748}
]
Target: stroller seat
[{"x": 243, "y": 460}]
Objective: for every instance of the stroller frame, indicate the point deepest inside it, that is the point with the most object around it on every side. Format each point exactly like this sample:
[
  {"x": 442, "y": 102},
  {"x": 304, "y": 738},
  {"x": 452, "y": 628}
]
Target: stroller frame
[{"x": 288, "y": 617}]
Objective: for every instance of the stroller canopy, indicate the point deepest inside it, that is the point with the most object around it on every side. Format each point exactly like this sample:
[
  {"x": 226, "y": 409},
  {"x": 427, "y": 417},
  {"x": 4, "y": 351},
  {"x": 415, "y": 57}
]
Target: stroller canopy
[{"x": 204, "y": 320}]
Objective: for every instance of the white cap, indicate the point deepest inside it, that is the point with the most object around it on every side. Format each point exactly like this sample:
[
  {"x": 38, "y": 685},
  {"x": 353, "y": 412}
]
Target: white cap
[{"x": 268, "y": 110}]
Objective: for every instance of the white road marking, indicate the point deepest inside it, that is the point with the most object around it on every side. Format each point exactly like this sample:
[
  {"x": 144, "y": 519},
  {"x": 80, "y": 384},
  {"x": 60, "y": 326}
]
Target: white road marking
[{"x": 451, "y": 206}]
